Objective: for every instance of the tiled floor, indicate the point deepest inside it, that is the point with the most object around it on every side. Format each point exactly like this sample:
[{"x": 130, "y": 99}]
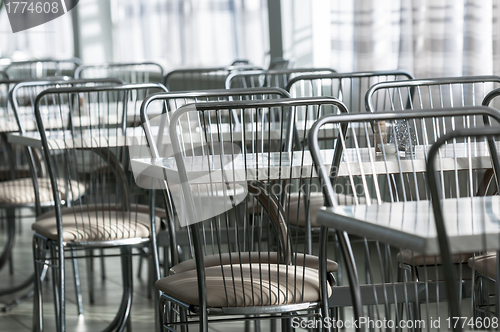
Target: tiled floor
[{"x": 97, "y": 316}]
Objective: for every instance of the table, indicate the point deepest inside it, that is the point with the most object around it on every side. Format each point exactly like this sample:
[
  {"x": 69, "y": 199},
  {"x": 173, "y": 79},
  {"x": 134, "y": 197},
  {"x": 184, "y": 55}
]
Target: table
[
  {"x": 471, "y": 222},
  {"x": 62, "y": 139},
  {"x": 298, "y": 164},
  {"x": 8, "y": 121}
]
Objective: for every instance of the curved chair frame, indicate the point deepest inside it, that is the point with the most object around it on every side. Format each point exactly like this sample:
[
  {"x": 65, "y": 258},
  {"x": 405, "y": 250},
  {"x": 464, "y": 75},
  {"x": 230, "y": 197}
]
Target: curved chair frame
[
  {"x": 329, "y": 193},
  {"x": 81, "y": 69}
]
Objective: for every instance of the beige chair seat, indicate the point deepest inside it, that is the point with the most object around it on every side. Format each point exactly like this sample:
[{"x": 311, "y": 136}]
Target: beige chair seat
[
  {"x": 261, "y": 285},
  {"x": 101, "y": 224},
  {"x": 410, "y": 257},
  {"x": 485, "y": 264},
  {"x": 21, "y": 191},
  {"x": 265, "y": 257}
]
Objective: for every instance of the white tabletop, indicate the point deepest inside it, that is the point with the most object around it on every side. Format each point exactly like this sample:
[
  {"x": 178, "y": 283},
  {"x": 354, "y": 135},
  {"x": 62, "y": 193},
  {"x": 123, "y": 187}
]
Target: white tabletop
[
  {"x": 62, "y": 139},
  {"x": 253, "y": 133},
  {"x": 286, "y": 165},
  {"x": 8, "y": 122},
  {"x": 472, "y": 224}
]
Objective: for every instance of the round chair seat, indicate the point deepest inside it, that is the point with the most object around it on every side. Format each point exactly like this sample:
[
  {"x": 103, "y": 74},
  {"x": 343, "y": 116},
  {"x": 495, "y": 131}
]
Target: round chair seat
[
  {"x": 95, "y": 223},
  {"x": 252, "y": 257},
  {"x": 485, "y": 264},
  {"x": 253, "y": 285},
  {"x": 20, "y": 191}
]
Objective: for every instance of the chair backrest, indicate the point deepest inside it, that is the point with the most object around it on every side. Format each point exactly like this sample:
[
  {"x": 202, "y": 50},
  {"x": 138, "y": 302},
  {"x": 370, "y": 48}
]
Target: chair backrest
[
  {"x": 491, "y": 98},
  {"x": 201, "y": 78},
  {"x": 174, "y": 100},
  {"x": 168, "y": 103},
  {"x": 131, "y": 73},
  {"x": 348, "y": 87},
  {"x": 269, "y": 78},
  {"x": 42, "y": 68},
  {"x": 243, "y": 209},
  {"x": 28, "y": 162},
  {"x": 11, "y": 157},
  {"x": 22, "y": 96},
  {"x": 431, "y": 93},
  {"x": 85, "y": 145},
  {"x": 391, "y": 168},
  {"x": 393, "y": 180},
  {"x": 444, "y": 218}
]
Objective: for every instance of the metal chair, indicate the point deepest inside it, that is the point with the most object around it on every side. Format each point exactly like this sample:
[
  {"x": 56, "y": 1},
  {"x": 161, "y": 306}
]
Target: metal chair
[
  {"x": 243, "y": 262},
  {"x": 24, "y": 165},
  {"x": 393, "y": 183},
  {"x": 430, "y": 93},
  {"x": 86, "y": 143},
  {"x": 15, "y": 166},
  {"x": 141, "y": 72},
  {"x": 484, "y": 265},
  {"x": 485, "y": 261},
  {"x": 351, "y": 88},
  {"x": 201, "y": 78},
  {"x": 278, "y": 78},
  {"x": 22, "y": 100},
  {"x": 434, "y": 93},
  {"x": 171, "y": 101},
  {"x": 489, "y": 99},
  {"x": 42, "y": 68}
]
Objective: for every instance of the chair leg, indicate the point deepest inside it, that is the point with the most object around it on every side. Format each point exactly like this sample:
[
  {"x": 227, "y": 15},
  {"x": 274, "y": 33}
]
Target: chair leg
[
  {"x": 334, "y": 313},
  {"x": 12, "y": 215},
  {"x": 11, "y": 260},
  {"x": 37, "y": 300},
  {"x": 153, "y": 275},
  {"x": 103, "y": 266},
  {"x": 183, "y": 314},
  {"x": 139, "y": 267},
  {"x": 256, "y": 326},
  {"x": 480, "y": 297},
  {"x": 166, "y": 260},
  {"x": 286, "y": 324},
  {"x": 151, "y": 280},
  {"x": 55, "y": 286},
  {"x": 90, "y": 274},
  {"x": 78, "y": 287},
  {"x": 127, "y": 277},
  {"x": 274, "y": 325},
  {"x": 11, "y": 265},
  {"x": 58, "y": 282}
]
